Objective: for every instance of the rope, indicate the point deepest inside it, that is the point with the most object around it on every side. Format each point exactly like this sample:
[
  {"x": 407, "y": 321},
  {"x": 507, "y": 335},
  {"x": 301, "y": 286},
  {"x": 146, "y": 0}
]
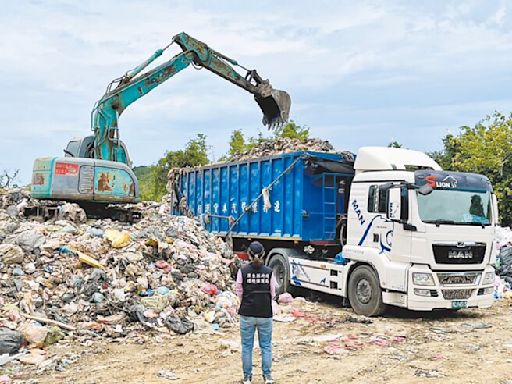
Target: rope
[{"x": 269, "y": 188}]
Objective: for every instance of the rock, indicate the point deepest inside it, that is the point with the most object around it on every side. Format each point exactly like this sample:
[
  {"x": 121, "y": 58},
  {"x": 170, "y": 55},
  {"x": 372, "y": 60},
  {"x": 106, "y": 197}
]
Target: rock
[
  {"x": 17, "y": 272},
  {"x": 167, "y": 374},
  {"x": 29, "y": 268},
  {"x": 34, "y": 333},
  {"x": 11, "y": 254},
  {"x": 98, "y": 298},
  {"x": 10, "y": 341},
  {"x": 55, "y": 334},
  {"x": 72, "y": 212},
  {"x": 29, "y": 240},
  {"x": 34, "y": 357}
]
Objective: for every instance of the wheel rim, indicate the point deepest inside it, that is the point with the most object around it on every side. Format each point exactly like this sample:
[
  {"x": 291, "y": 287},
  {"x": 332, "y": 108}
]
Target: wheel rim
[
  {"x": 364, "y": 291},
  {"x": 279, "y": 274}
]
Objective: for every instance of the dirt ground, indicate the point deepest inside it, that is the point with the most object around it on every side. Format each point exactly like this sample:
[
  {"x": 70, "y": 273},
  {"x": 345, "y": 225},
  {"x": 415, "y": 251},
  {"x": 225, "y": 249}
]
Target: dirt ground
[{"x": 325, "y": 344}]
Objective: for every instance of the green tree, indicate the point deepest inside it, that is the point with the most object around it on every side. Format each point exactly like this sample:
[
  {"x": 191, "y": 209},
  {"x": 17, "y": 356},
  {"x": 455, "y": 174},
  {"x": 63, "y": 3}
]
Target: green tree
[
  {"x": 292, "y": 130},
  {"x": 394, "y": 144},
  {"x": 485, "y": 148},
  {"x": 237, "y": 143},
  {"x": 194, "y": 154}
]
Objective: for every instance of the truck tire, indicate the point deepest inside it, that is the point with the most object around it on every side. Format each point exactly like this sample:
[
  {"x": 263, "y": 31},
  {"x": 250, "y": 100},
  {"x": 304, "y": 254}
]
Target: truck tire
[
  {"x": 281, "y": 270},
  {"x": 365, "y": 293}
]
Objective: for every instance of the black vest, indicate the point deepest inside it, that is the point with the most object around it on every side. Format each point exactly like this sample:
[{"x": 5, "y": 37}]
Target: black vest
[{"x": 257, "y": 299}]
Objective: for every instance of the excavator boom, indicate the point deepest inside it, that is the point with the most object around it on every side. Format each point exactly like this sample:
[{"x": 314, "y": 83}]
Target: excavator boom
[
  {"x": 275, "y": 104},
  {"x": 96, "y": 171}
]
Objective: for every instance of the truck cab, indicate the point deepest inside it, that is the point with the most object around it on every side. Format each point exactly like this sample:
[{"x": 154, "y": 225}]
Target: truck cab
[{"x": 418, "y": 237}]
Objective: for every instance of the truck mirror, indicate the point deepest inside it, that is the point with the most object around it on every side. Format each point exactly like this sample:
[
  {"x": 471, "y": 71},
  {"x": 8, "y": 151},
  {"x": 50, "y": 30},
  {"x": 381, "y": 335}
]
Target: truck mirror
[
  {"x": 393, "y": 206},
  {"x": 425, "y": 189},
  {"x": 494, "y": 209}
]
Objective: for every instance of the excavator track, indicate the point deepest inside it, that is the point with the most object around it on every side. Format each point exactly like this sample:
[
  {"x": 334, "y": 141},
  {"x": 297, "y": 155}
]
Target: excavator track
[{"x": 46, "y": 210}]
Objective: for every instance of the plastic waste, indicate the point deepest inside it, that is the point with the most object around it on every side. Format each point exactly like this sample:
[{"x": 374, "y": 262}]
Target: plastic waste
[
  {"x": 285, "y": 298},
  {"x": 117, "y": 239},
  {"x": 96, "y": 232},
  {"x": 180, "y": 326},
  {"x": 210, "y": 289},
  {"x": 85, "y": 259},
  {"x": 340, "y": 259},
  {"x": 10, "y": 341}
]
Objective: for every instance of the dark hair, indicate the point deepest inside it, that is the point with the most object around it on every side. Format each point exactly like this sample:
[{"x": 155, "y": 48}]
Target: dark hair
[{"x": 256, "y": 253}]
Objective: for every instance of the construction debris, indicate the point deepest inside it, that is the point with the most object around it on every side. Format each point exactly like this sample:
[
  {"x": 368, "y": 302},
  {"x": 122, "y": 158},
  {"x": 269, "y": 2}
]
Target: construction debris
[
  {"x": 163, "y": 274},
  {"x": 283, "y": 145}
]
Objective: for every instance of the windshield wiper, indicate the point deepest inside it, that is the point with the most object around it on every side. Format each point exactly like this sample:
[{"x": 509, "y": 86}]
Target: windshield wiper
[{"x": 438, "y": 222}]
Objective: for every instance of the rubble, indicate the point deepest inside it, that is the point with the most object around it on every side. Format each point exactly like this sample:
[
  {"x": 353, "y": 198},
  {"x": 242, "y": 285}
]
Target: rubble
[
  {"x": 285, "y": 145},
  {"x": 70, "y": 277}
]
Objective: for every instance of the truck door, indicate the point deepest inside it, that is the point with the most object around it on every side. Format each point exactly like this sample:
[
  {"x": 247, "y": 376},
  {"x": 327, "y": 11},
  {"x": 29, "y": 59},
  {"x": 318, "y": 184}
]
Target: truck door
[{"x": 378, "y": 232}]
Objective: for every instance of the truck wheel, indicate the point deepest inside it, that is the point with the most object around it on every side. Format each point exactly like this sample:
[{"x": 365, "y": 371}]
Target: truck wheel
[
  {"x": 281, "y": 270},
  {"x": 364, "y": 292}
]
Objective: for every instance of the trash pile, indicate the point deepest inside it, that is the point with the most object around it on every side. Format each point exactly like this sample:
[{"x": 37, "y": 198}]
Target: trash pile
[
  {"x": 503, "y": 281},
  {"x": 284, "y": 145},
  {"x": 92, "y": 278}
]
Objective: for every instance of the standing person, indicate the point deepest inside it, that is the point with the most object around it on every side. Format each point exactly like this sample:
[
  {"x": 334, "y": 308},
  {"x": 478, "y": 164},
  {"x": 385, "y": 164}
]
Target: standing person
[{"x": 256, "y": 288}]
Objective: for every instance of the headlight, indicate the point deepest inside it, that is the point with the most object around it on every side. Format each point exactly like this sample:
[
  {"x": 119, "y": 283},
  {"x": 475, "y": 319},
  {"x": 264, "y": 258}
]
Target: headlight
[
  {"x": 422, "y": 278},
  {"x": 489, "y": 278},
  {"x": 422, "y": 292}
]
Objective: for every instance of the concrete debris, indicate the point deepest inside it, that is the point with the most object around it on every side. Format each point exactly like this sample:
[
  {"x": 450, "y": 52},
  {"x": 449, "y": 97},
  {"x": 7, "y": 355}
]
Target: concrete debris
[
  {"x": 92, "y": 278},
  {"x": 284, "y": 145}
]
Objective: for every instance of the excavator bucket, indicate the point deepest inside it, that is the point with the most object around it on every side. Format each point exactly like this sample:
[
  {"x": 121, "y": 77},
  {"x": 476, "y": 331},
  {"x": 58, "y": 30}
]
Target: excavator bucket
[{"x": 275, "y": 108}]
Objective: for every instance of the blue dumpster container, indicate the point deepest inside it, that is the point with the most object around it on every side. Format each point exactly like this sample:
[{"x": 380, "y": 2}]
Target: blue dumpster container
[{"x": 307, "y": 194}]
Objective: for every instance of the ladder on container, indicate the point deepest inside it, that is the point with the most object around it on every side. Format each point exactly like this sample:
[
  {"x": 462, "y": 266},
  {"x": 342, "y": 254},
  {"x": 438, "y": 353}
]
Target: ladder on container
[{"x": 329, "y": 202}]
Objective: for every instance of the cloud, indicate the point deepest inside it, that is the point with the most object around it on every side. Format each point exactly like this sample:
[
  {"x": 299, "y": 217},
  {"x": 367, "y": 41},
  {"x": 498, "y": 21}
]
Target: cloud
[{"x": 385, "y": 69}]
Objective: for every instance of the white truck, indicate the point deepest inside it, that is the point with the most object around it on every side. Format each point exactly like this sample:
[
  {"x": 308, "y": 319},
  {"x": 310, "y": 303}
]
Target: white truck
[
  {"x": 390, "y": 228},
  {"x": 417, "y": 237}
]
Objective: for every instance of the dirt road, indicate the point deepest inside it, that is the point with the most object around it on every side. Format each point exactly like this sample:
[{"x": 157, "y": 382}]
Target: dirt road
[{"x": 324, "y": 344}]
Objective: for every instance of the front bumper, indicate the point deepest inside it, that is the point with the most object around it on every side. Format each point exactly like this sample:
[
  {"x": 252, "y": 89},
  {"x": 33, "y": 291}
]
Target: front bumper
[{"x": 457, "y": 292}]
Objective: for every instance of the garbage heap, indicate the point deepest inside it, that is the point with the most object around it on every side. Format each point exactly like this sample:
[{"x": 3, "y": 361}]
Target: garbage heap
[
  {"x": 164, "y": 273},
  {"x": 283, "y": 145}
]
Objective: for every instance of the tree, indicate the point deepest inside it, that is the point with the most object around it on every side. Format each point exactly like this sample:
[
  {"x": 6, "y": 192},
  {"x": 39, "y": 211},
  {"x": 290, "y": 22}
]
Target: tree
[
  {"x": 194, "y": 154},
  {"x": 7, "y": 179},
  {"x": 237, "y": 143},
  {"x": 292, "y": 130},
  {"x": 485, "y": 148},
  {"x": 394, "y": 144}
]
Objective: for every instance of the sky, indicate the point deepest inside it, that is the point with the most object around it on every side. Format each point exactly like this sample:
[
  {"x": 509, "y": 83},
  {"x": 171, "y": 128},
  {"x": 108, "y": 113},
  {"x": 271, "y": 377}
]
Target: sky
[{"x": 359, "y": 73}]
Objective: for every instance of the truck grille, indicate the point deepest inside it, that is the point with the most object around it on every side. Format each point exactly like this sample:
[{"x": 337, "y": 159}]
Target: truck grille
[
  {"x": 453, "y": 254},
  {"x": 456, "y": 278},
  {"x": 457, "y": 294}
]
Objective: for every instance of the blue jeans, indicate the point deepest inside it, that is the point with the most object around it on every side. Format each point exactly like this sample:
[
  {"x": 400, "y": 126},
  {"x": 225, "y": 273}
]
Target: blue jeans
[{"x": 247, "y": 327}]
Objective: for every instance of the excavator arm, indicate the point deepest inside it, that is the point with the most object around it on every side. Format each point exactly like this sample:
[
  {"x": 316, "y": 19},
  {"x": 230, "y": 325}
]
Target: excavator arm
[{"x": 125, "y": 90}]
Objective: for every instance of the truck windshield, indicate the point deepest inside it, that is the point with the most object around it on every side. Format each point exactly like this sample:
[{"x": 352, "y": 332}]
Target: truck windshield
[{"x": 459, "y": 207}]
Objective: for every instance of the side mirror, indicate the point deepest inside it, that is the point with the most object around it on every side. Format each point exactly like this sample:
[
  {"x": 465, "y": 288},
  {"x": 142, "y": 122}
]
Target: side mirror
[
  {"x": 425, "y": 189},
  {"x": 494, "y": 209},
  {"x": 393, "y": 204}
]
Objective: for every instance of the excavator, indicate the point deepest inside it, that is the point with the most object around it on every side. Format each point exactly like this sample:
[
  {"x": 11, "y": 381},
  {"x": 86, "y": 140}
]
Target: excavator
[{"x": 96, "y": 170}]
